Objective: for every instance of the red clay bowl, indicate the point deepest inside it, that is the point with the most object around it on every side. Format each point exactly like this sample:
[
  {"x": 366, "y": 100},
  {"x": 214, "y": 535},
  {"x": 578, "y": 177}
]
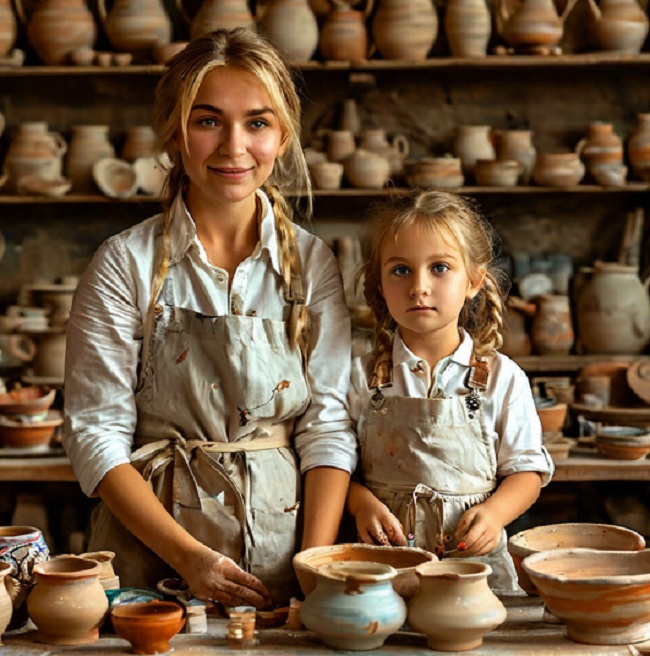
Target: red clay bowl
[
  {"x": 36, "y": 433},
  {"x": 603, "y": 597},
  {"x": 569, "y": 536},
  {"x": 30, "y": 400},
  {"x": 148, "y": 625}
]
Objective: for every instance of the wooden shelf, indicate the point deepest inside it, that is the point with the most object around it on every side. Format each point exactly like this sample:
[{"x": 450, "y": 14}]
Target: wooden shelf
[
  {"x": 597, "y": 468},
  {"x": 568, "y": 363}
]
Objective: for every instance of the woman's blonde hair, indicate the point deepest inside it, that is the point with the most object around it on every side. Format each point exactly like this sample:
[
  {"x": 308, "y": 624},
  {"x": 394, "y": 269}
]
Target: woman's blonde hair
[
  {"x": 451, "y": 218},
  {"x": 175, "y": 94}
]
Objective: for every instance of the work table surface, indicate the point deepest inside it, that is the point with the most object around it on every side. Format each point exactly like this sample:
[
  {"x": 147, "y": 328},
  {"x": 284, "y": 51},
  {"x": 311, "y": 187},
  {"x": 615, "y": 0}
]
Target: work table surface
[{"x": 523, "y": 633}]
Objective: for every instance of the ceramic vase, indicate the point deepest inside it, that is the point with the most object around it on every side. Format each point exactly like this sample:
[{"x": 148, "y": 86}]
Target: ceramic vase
[
  {"x": 532, "y": 23},
  {"x": 473, "y": 142},
  {"x": 394, "y": 150},
  {"x": 7, "y": 28},
  {"x": 49, "y": 361},
  {"x": 6, "y": 606},
  {"x": 558, "y": 170},
  {"x": 601, "y": 147},
  {"x": 552, "y": 327},
  {"x": 291, "y": 27},
  {"x": 638, "y": 147},
  {"x": 57, "y": 27},
  {"x": 622, "y": 25},
  {"x": 140, "y": 142},
  {"x": 343, "y": 36},
  {"x": 22, "y": 547},
  {"x": 340, "y": 145},
  {"x": 88, "y": 143},
  {"x": 349, "y": 598},
  {"x": 468, "y": 27},
  {"x": 68, "y": 603},
  {"x": 613, "y": 310},
  {"x": 405, "y": 29},
  {"x": 366, "y": 170},
  {"x": 454, "y": 606},
  {"x": 517, "y": 145},
  {"x": 221, "y": 14}
]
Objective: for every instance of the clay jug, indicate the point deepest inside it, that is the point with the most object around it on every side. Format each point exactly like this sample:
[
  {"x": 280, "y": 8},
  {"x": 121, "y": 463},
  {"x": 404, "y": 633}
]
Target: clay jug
[
  {"x": 68, "y": 603},
  {"x": 613, "y": 310},
  {"x": 34, "y": 150},
  {"x": 405, "y": 29},
  {"x": 366, "y": 170},
  {"x": 22, "y": 547},
  {"x": 601, "y": 147},
  {"x": 468, "y": 27},
  {"x": 638, "y": 147},
  {"x": 7, "y": 27},
  {"x": 343, "y": 36},
  {"x": 219, "y": 14},
  {"x": 340, "y": 145},
  {"x": 136, "y": 26},
  {"x": 622, "y": 25},
  {"x": 517, "y": 145},
  {"x": 531, "y": 23},
  {"x": 558, "y": 170},
  {"x": 552, "y": 327},
  {"x": 516, "y": 340},
  {"x": 88, "y": 143},
  {"x": 473, "y": 142},
  {"x": 291, "y": 27},
  {"x": 454, "y": 606},
  {"x": 395, "y": 151},
  {"x": 140, "y": 142},
  {"x": 6, "y": 607},
  {"x": 349, "y": 598},
  {"x": 57, "y": 27}
]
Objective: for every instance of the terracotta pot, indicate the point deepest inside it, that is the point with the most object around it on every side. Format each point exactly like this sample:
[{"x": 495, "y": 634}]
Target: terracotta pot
[
  {"x": 49, "y": 361},
  {"x": 552, "y": 327},
  {"x": 365, "y": 169},
  {"x": 473, "y": 142},
  {"x": 291, "y": 27},
  {"x": 6, "y": 607},
  {"x": 343, "y": 36},
  {"x": 516, "y": 340},
  {"x": 497, "y": 172},
  {"x": 601, "y": 146},
  {"x": 454, "y": 606},
  {"x": 350, "y": 597},
  {"x": 220, "y": 14},
  {"x": 405, "y": 29},
  {"x": 326, "y": 175},
  {"x": 517, "y": 145},
  {"x": 623, "y": 442},
  {"x": 7, "y": 28},
  {"x": 638, "y": 147},
  {"x": 468, "y": 27},
  {"x": 32, "y": 434},
  {"x": 105, "y": 559},
  {"x": 30, "y": 400},
  {"x": 531, "y": 23},
  {"x": 620, "y": 393},
  {"x": 88, "y": 143},
  {"x": 340, "y": 145},
  {"x": 552, "y": 417},
  {"x": 622, "y": 25},
  {"x": 558, "y": 170},
  {"x": 140, "y": 142},
  {"x": 442, "y": 172}
]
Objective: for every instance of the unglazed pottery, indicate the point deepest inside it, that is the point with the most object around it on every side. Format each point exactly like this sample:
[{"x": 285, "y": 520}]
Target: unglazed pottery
[
  {"x": 7, "y": 29},
  {"x": 497, "y": 172},
  {"x": 558, "y": 170},
  {"x": 602, "y": 146},
  {"x": 441, "y": 172},
  {"x": 220, "y": 14},
  {"x": 291, "y": 27},
  {"x": 149, "y": 625},
  {"x": 354, "y": 605},
  {"x": 569, "y": 536},
  {"x": 115, "y": 177},
  {"x": 552, "y": 327},
  {"x": 365, "y": 169},
  {"x": 471, "y": 143},
  {"x": 31, "y": 400},
  {"x": 623, "y": 442},
  {"x": 326, "y": 175},
  {"x": 6, "y": 607},
  {"x": 454, "y": 606},
  {"x": 68, "y": 603},
  {"x": 468, "y": 27},
  {"x": 603, "y": 597},
  {"x": 343, "y": 36},
  {"x": 552, "y": 417},
  {"x": 307, "y": 563},
  {"x": 518, "y": 145},
  {"x": 531, "y": 23},
  {"x": 140, "y": 141},
  {"x": 622, "y": 25},
  {"x": 88, "y": 144},
  {"x": 638, "y": 147},
  {"x": 405, "y": 29}
]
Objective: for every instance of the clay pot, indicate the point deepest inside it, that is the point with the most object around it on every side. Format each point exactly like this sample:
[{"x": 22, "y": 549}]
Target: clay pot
[
  {"x": 67, "y": 604},
  {"x": 568, "y": 536},
  {"x": 454, "y": 606},
  {"x": 149, "y": 625},
  {"x": 365, "y": 169},
  {"x": 327, "y": 175},
  {"x": 602, "y": 146},
  {"x": 56, "y": 28},
  {"x": 340, "y": 145},
  {"x": 350, "y": 597},
  {"x": 516, "y": 340},
  {"x": 442, "y": 172},
  {"x": 88, "y": 143},
  {"x": 473, "y": 142},
  {"x": 6, "y": 607},
  {"x": 307, "y": 563},
  {"x": 394, "y": 150},
  {"x": 622, "y": 25},
  {"x": 31, "y": 400},
  {"x": 140, "y": 142},
  {"x": 343, "y": 36},
  {"x": 34, "y": 434},
  {"x": 613, "y": 310},
  {"x": 552, "y": 417},
  {"x": 7, "y": 29},
  {"x": 116, "y": 178},
  {"x": 22, "y": 547},
  {"x": 532, "y": 23},
  {"x": 603, "y": 597},
  {"x": 620, "y": 393},
  {"x": 558, "y": 170},
  {"x": 638, "y": 147},
  {"x": 49, "y": 361},
  {"x": 221, "y": 14},
  {"x": 517, "y": 145},
  {"x": 468, "y": 27},
  {"x": 552, "y": 327},
  {"x": 405, "y": 29},
  {"x": 497, "y": 172},
  {"x": 105, "y": 559},
  {"x": 623, "y": 442},
  {"x": 291, "y": 27}
]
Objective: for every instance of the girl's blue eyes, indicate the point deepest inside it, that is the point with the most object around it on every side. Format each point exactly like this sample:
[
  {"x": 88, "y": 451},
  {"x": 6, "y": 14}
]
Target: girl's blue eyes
[{"x": 402, "y": 270}]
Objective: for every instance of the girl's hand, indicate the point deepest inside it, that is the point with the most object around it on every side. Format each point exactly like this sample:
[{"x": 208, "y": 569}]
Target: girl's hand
[
  {"x": 213, "y": 576},
  {"x": 377, "y": 525},
  {"x": 480, "y": 529}
]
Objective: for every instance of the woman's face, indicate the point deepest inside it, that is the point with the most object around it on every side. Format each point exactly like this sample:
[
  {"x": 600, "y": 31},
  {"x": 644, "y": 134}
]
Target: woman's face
[{"x": 233, "y": 138}]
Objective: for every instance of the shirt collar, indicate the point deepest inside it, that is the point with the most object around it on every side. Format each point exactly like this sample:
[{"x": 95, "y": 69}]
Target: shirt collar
[
  {"x": 462, "y": 355},
  {"x": 182, "y": 232}
]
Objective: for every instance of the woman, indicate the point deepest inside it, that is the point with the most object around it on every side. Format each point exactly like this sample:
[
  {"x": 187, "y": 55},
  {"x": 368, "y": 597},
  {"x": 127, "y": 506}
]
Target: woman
[{"x": 208, "y": 347}]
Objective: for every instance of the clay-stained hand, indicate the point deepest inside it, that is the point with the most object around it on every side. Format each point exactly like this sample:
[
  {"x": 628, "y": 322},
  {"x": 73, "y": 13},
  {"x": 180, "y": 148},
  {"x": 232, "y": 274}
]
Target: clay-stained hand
[
  {"x": 211, "y": 575},
  {"x": 480, "y": 529},
  {"x": 377, "y": 525}
]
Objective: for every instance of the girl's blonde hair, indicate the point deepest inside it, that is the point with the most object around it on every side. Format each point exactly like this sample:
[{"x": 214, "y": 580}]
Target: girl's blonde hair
[
  {"x": 451, "y": 218},
  {"x": 175, "y": 94}
]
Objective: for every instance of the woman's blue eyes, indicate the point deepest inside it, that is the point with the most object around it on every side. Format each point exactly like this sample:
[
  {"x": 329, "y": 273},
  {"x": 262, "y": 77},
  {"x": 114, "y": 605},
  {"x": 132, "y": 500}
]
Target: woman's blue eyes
[{"x": 210, "y": 122}]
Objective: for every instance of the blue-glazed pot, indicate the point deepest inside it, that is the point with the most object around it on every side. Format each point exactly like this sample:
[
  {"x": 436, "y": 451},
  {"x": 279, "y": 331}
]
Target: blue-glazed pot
[{"x": 354, "y": 605}]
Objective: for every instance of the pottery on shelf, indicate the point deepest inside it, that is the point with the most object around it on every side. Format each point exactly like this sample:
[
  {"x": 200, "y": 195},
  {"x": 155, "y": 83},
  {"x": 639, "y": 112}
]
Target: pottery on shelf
[
  {"x": 343, "y": 36},
  {"x": 471, "y": 143},
  {"x": 638, "y": 379},
  {"x": 24, "y": 432},
  {"x": 623, "y": 442},
  {"x": 517, "y": 145},
  {"x": 497, "y": 172},
  {"x": 441, "y": 172},
  {"x": 35, "y": 185},
  {"x": 531, "y": 23},
  {"x": 150, "y": 175},
  {"x": 366, "y": 170},
  {"x": 552, "y": 416},
  {"x": 291, "y": 27},
  {"x": 468, "y": 27},
  {"x": 8, "y": 29},
  {"x": 568, "y": 536},
  {"x": 88, "y": 143},
  {"x": 115, "y": 177},
  {"x": 354, "y": 605},
  {"x": 31, "y": 400},
  {"x": 454, "y": 606},
  {"x": 558, "y": 169},
  {"x": 326, "y": 175},
  {"x": 219, "y": 14},
  {"x": 638, "y": 147},
  {"x": 622, "y": 25},
  {"x": 552, "y": 327},
  {"x": 603, "y": 597}
]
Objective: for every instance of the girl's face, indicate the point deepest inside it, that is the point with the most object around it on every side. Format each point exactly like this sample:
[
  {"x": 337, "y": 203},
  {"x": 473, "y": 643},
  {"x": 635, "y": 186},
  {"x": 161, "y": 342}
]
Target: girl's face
[
  {"x": 425, "y": 283},
  {"x": 233, "y": 138}
]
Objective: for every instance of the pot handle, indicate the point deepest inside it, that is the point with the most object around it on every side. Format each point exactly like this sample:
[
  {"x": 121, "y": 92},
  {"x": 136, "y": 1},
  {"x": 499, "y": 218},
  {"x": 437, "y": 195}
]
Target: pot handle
[
  {"x": 23, "y": 348},
  {"x": 401, "y": 144},
  {"x": 61, "y": 143},
  {"x": 181, "y": 10}
]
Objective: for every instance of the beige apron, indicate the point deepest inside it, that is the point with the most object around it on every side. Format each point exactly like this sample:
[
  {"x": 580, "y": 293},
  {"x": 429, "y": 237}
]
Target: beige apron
[
  {"x": 216, "y": 404},
  {"x": 429, "y": 460}
]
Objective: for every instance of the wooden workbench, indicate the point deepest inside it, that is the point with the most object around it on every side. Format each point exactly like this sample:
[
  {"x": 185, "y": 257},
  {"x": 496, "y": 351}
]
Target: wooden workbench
[{"x": 524, "y": 633}]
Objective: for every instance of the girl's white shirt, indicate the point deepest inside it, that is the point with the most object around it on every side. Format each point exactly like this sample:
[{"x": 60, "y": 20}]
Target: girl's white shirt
[
  {"x": 106, "y": 327},
  {"x": 508, "y": 406}
]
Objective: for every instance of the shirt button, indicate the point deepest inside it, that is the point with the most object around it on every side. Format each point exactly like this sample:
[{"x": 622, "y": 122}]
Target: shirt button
[{"x": 157, "y": 308}]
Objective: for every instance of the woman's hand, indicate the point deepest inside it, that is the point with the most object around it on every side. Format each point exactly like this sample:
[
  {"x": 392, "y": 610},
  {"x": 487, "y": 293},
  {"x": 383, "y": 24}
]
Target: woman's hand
[
  {"x": 211, "y": 575},
  {"x": 480, "y": 529}
]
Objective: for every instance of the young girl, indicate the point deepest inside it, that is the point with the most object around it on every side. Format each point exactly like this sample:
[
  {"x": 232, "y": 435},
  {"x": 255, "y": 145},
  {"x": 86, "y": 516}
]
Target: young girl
[
  {"x": 451, "y": 448},
  {"x": 207, "y": 347}
]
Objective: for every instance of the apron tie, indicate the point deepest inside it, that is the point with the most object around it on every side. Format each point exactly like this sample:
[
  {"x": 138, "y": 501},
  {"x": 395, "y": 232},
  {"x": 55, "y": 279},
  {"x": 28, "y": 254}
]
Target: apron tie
[{"x": 436, "y": 500}]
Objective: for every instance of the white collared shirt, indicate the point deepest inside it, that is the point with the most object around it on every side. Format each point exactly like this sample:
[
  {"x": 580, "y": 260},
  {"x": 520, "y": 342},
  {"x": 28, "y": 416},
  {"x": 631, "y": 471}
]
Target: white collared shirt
[
  {"x": 508, "y": 405},
  {"x": 105, "y": 331}
]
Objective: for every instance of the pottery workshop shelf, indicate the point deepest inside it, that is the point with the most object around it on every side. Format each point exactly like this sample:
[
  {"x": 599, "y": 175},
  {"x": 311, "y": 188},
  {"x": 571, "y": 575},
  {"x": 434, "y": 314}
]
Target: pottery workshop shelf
[{"x": 532, "y": 364}]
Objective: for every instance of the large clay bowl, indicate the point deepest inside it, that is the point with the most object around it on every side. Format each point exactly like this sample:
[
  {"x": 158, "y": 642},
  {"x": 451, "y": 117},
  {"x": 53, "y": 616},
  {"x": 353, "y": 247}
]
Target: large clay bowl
[
  {"x": 31, "y": 400},
  {"x": 623, "y": 442},
  {"x": 603, "y": 597},
  {"x": 30, "y": 434},
  {"x": 148, "y": 625},
  {"x": 403, "y": 559},
  {"x": 602, "y": 537}
]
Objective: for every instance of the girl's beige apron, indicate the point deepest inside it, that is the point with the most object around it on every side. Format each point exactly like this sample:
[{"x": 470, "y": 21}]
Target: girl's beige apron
[
  {"x": 216, "y": 406},
  {"x": 429, "y": 460}
]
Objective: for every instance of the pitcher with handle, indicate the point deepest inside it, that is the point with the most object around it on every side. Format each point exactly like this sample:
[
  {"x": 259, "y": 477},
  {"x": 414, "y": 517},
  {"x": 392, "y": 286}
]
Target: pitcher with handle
[
  {"x": 218, "y": 14},
  {"x": 622, "y": 25}
]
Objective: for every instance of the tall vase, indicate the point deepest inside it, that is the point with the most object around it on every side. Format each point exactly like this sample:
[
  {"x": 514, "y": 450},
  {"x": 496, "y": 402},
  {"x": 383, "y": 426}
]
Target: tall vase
[
  {"x": 291, "y": 27},
  {"x": 552, "y": 329},
  {"x": 517, "y": 145},
  {"x": 405, "y": 29},
  {"x": 343, "y": 36},
  {"x": 454, "y": 606},
  {"x": 88, "y": 143},
  {"x": 7, "y": 27},
  {"x": 473, "y": 142},
  {"x": 468, "y": 27},
  {"x": 221, "y": 14}
]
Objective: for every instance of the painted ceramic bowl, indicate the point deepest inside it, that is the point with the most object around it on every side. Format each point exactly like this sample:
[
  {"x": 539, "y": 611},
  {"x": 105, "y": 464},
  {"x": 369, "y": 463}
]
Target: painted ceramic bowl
[
  {"x": 568, "y": 536},
  {"x": 149, "y": 625},
  {"x": 623, "y": 442},
  {"x": 603, "y": 597},
  {"x": 404, "y": 559}
]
